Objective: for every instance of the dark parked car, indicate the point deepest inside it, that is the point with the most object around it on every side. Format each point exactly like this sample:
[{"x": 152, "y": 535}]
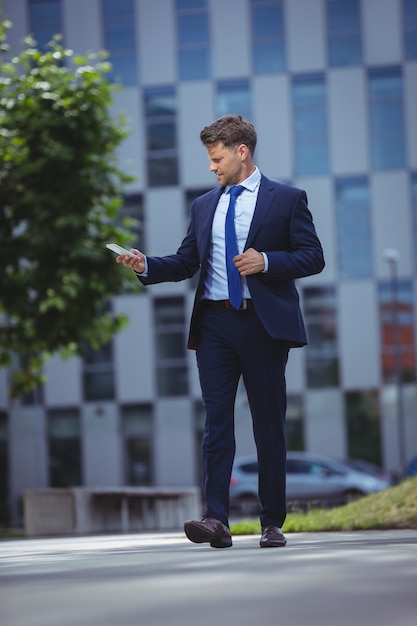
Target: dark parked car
[{"x": 311, "y": 478}]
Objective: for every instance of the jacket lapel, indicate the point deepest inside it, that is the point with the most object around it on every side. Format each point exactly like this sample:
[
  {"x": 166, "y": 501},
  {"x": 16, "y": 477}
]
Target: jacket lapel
[
  {"x": 206, "y": 223},
  {"x": 263, "y": 204}
]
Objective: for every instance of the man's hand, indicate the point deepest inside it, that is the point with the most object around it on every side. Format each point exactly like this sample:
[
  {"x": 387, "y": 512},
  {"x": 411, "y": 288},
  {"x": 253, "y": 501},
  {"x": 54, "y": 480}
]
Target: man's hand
[
  {"x": 250, "y": 262},
  {"x": 136, "y": 262}
]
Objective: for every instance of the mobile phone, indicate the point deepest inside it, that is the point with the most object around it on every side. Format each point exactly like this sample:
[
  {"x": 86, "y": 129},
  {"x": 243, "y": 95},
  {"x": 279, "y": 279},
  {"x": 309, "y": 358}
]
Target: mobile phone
[{"x": 114, "y": 247}]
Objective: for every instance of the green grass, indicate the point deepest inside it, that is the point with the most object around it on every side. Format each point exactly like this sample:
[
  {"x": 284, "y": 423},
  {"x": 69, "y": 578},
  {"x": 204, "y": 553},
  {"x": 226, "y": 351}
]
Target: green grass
[{"x": 392, "y": 508}]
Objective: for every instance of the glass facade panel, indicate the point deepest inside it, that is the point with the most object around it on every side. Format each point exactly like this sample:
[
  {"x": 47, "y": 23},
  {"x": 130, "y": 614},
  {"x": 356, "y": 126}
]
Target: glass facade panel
[
  {"x": 45, "y": 20},
  {"x": 414, "y": 209},
  {"x": 410, "y": 28},
  {"x": 397, "y": 319},
  {"x": 268, "y": 38},
  {"x": 161, "y": 136},
  {"x": 344, "y": 33},
  {"x": 64, "y": 447},
  {"x": 310, "y": 119},
  {"x": 354, "y": 228},
  {"x": 193, "y": 40},
  {"x": 137, "y": 435},
  {"x": 363, "y": 426},
  {"x": 98, "y": 374},
  {"x": 387, "y": 118},
  {"x": 322, "y": 358},
  {"x": 234, "y": 98},
  {"x": 120, "y": 39},
  {"x": 170, "y": 346}
]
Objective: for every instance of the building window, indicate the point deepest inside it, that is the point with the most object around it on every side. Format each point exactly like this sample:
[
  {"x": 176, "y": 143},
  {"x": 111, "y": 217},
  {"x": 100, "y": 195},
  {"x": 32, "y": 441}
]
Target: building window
[
  {"x": 172, "y": 373},
  {"x": 344, "y": 32},
  {"x": 311, "y": 145},
  {"x": 132, "y": 209},
  {"x": 363, "y": 426},
  {"x": 387, "y": 118},
  {"x": 98, "y": 374},
  {"x": 193, "y": 39},
  {"x": 414, "y": 209},
  {"x": 398, "y": 348},
  {"x": 45, "y": 20},
  {"x": 4, "y": 470},
  {"x": 410, "y": 28},
  {"x": 137, "y": 437},
  {"x": 161, "y": 136},
  {"x": 321, "y": 355},
  {"x": 353, "y": 228},
  {"x": 64, "y": 444},
  {"x": 294, "y": 425},
  {"x": 233, "y": 98},
  {"x": 120, "y": 39},
  {"x": 268, "y": 40}
]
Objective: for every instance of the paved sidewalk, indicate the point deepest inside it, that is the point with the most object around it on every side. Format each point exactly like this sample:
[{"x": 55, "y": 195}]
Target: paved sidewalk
[{"x": 319, "y": 579}]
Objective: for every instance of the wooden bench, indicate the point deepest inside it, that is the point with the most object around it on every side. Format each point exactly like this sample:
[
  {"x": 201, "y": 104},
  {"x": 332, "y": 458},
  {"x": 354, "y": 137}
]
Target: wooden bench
[{"x": 87, "y": 510}]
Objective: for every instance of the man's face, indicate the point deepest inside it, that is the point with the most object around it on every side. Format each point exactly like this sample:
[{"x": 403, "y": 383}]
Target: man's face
[{"x": 226, "y": 163}]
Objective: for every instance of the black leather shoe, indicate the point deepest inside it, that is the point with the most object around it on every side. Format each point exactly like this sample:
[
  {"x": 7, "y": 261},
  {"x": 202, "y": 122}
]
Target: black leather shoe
[
  {"x": 209, "y": 530},
  {"x": 272, "y": 537}
]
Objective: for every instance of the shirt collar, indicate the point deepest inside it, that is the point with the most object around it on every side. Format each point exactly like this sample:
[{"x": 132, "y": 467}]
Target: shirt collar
[{"x": 250, "y": 183}]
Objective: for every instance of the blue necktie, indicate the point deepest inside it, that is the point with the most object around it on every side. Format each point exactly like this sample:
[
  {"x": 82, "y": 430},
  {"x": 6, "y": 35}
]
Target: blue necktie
[{"x": 233, "y": 276}]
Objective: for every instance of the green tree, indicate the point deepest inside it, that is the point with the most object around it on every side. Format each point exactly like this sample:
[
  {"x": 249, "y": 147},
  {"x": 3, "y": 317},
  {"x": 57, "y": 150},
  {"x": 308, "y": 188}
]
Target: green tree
[{"x": 60, "y": 194}]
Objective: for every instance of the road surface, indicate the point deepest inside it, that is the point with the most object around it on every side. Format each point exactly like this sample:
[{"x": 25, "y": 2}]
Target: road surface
[{"x": 319, "y": 579}]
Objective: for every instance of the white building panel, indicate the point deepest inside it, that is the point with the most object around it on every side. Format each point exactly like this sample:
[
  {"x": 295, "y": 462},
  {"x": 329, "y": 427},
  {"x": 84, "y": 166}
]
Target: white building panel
[
  {"x": 18, "y": 15},
  {"x": 381, "y": 32},
  {"x": 132, "y": 151},
  {"x": 392, "y": 225},
  {"x": 175, "y": 442},
  {"x": 306, "y": 35},
  {"x": 195, "y": 111},
  {"x": 321, "y": 204},
  {"x": 410, "y": 100},
  {"x": 63, "y": 386},
  {"x": 295, "y": 372},
  {"x": 27, "y": 453},
  {"x": 359, "y": 333},
  {"x": 83, "y": 32},
  {"x": 101, "y": 445},
  {"x": 166, "y": 220},
  {"x": 273, "y": 122},
  {"x": 134, "y": 350},
  {"x": 325, "y": 431},
  {"x": 156, "y": 27},
  {"x": 230, "y": 37},
  {"x": 348, "y": 121}
]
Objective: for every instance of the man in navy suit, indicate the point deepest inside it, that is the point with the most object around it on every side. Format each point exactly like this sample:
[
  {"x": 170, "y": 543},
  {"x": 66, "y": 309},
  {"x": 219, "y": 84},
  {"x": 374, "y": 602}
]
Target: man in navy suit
[{"x": 276, "y": 243}]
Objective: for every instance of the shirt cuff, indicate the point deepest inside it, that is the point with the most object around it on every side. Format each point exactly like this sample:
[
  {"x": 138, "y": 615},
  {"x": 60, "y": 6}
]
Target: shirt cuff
[
  {"x": 145, "y": 271},
  {"x": 265, "y": 256}
]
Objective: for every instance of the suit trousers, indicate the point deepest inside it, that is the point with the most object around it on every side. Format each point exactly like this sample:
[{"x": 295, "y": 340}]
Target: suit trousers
[{"x": 232, "y": 344}]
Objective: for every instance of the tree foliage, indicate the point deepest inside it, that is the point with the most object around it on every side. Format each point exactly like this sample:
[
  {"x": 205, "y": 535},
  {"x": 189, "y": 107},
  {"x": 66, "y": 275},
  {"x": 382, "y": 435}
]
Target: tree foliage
[{"x": 60, "y": 194}]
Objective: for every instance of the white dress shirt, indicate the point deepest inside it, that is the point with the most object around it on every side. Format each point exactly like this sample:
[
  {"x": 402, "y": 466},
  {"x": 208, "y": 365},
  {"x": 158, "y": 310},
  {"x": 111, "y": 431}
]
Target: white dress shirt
[{"x": 215, "y": 285}]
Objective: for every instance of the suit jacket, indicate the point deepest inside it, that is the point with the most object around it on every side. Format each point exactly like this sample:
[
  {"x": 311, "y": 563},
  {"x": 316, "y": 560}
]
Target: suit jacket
[{"x": 282, "y": 226}]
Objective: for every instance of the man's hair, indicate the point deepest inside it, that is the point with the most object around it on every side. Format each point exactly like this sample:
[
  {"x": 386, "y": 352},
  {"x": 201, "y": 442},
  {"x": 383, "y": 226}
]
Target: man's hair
[{"x": 232, "y": 131}]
